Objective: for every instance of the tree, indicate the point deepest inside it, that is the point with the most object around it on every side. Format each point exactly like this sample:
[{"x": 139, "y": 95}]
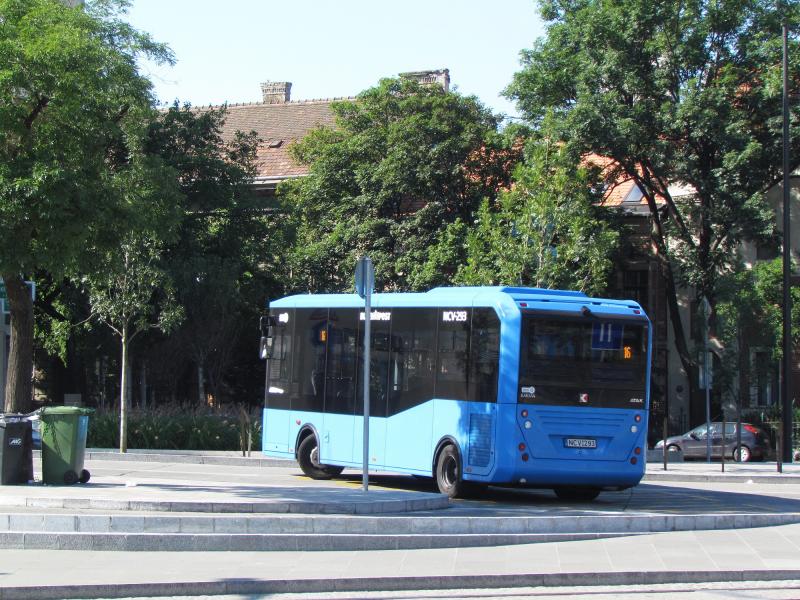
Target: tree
[
  {"x": 403, "y": 162},
  {"x": 71, "y": 99},
  {"x": 546, "y": 231},
  {"x": 223, "y": 257},
  {"x": 674, "y": 92},
  {"x": 749, "y": 315},
  {"x": 131, "y": 294}
]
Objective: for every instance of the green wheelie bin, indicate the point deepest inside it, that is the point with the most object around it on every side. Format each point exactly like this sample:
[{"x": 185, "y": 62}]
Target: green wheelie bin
[{"x": 63, "y": 431}]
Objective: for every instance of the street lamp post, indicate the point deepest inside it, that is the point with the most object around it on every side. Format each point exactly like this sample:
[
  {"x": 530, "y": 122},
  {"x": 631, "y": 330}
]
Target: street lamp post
[{"x": 786, "y": 389}]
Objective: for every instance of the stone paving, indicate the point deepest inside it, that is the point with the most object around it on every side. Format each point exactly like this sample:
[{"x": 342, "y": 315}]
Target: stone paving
[{"x": 713, "y": 547}]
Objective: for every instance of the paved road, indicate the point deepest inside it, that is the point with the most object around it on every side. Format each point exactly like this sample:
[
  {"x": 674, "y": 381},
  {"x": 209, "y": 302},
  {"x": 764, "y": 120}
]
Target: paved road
[{"x": 697, "y": 559}]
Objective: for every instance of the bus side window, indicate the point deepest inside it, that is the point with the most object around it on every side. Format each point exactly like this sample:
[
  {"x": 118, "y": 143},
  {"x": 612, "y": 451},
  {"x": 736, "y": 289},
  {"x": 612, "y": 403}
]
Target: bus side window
[
  {"x": 411, "y": 371},
  {"x": 340, "y": 383},
  {"x": 484, "y": 355},
  {"x": 453, "y": 353},
  {"x": 308, "y": 370}
]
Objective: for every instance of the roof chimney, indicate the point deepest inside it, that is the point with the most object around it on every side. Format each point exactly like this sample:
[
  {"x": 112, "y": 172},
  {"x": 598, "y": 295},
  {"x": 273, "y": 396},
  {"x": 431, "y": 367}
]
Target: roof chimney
[
  {"x": 439, "y": 77},
  {"x": 276, "y": 92}
]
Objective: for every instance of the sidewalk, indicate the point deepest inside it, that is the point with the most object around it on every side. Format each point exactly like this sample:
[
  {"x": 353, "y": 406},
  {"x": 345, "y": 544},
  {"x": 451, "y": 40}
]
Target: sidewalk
[
  {"x": 751, "y": 472},
  {"x": 764, "y": 553},
  {"x": 681, "y": 557}
]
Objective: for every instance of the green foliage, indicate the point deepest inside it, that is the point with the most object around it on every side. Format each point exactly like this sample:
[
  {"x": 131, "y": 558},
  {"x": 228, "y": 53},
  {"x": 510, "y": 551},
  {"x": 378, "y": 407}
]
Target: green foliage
[
  {"x": 71, "y": 101},
  {"x": 676, "y": 93},
  {"x": 132, "y": 293},
  {"x": 751, "y": 307},
  {"x": 404, "y": 162},
  {"x": 546, "y": 231},
  {"x": 172, "y": 428},
  {"x": 225, "y": 256}
]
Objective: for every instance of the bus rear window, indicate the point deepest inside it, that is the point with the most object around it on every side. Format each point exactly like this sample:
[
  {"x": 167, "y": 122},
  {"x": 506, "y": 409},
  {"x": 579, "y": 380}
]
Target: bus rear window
[{"x": 564, "y": 354}]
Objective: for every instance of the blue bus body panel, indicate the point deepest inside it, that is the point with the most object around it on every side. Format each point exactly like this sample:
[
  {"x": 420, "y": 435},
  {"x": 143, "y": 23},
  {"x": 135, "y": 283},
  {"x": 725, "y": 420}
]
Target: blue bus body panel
[
  {"x": 408, "y": 439},
  {"x": 488, "y": 434}
]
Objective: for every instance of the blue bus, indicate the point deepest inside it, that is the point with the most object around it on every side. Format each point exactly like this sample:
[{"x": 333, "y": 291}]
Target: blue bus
[{"x": 471, "y": 386}]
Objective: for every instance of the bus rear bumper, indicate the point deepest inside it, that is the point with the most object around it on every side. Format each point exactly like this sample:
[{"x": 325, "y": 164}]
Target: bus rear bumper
[{"x": 544, "y": 473}]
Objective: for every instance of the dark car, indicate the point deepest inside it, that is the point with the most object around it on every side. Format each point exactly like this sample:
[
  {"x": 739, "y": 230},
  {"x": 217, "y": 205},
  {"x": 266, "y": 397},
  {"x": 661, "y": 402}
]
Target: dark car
[{"x": 755, "y": 442}]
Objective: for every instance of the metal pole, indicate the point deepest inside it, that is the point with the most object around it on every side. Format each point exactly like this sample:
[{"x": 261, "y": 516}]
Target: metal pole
[
  {"x": 367, "y": 327},
  {"x": 786, "y": 400},
  {"x": 708, "y": 415}
]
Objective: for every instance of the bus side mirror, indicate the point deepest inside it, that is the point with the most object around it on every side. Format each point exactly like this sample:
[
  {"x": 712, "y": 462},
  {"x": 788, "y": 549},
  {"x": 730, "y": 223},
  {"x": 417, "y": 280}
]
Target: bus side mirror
[{"x": 267, "y": 326}]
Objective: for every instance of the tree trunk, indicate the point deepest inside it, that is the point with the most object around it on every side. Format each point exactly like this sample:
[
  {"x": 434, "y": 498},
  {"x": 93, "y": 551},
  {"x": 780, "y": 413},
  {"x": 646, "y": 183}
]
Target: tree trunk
[
  {"x": 19, "y": 381},
  {"x": 658, "y": 247},
  {"x": 201, "y": 384},
  {"x": 143, "y": 387},
  {"x": 123, "y": 393}
]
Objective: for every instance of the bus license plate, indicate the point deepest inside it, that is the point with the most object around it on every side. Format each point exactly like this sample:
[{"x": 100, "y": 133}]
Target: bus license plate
[{"x": 580, "y": 443}]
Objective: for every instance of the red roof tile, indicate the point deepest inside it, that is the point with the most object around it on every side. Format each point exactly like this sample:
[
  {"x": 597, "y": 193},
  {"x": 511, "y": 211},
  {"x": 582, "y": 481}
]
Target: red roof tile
[{"x": 277, "y": 125}]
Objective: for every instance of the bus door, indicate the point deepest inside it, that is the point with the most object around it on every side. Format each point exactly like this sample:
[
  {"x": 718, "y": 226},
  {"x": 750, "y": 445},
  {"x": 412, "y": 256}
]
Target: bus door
[
  {"x": 278, "y": 403},
  {"x": 378, "y": 388},
  {"x": 412, "y": 367},
  {"x": 340, "y": 386}
]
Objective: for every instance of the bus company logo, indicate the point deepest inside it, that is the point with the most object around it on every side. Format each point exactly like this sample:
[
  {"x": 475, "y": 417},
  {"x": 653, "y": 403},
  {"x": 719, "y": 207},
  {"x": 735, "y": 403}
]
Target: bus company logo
[
  {"x": 583, "y": 398},
  {"x": 15, "y": 441},
  {"x": 527, "y": 392},
  {"x": 378, "y": 316},
  {"x": 637, "y": 400},
  {"x": 283, "y": 318},
  {"x": 454, "y": 316}
]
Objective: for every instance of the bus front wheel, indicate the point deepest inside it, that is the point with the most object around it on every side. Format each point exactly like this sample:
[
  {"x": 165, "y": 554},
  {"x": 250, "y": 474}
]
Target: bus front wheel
[
  {"x": 308, "y": 459},
  {"x": 448, "y": 472}
]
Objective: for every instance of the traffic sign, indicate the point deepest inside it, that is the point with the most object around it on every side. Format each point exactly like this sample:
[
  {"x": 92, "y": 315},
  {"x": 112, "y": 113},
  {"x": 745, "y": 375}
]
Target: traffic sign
[{"x": 365, "y": 277}]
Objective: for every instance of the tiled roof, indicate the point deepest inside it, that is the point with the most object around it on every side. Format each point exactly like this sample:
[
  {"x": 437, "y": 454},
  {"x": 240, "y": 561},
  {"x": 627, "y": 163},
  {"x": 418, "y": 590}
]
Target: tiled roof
[{"x": 277, "y": 125}]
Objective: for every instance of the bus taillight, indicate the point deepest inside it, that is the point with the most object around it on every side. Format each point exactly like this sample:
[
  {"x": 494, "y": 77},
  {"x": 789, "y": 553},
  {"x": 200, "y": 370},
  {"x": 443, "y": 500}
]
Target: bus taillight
[{"x": 521, "y": 447}]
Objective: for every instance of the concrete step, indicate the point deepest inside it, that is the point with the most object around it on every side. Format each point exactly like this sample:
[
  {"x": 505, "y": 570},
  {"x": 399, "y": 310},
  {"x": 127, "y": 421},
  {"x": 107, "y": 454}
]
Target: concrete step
[
  {"x": 155, "y": 542},
  {"x": 155, "y": 532}
]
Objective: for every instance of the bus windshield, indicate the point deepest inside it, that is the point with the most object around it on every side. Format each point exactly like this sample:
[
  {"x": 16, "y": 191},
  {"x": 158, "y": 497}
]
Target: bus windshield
[{"x": 592, "y": 362}]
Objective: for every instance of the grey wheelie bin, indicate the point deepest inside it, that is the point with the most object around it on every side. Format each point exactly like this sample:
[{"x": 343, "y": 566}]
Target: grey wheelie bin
[{"x": 16, "y": 449}]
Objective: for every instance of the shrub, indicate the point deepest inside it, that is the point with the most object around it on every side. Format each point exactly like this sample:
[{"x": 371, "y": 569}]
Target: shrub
[{"x": 175, "y": 428}]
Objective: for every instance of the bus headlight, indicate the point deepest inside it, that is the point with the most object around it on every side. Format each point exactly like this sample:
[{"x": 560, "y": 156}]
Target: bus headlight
[
  {"x": 634, "y": 429},
  {"x": 528, "y": 424}
]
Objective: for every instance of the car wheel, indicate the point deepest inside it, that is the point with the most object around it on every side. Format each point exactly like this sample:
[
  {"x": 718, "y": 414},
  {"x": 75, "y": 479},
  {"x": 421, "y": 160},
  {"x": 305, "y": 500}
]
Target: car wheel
[
  {"x": 742, "y": 454},
  {"x": 577, "y": 494},
  {"x": 673, "y": 448},
  {"x": 308, "y": 459},
  {"x": 448, "y": 473}
]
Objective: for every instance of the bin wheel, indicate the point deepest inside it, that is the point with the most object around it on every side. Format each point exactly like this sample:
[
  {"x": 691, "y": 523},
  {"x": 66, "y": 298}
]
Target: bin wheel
[
  {"x": 70, "y": 477},
  {"x": 85, "y": 476}
]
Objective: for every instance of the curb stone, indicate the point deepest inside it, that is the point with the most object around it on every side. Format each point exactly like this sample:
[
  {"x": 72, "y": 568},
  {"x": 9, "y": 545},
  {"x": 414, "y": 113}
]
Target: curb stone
[{"x": 352, "y": 584}]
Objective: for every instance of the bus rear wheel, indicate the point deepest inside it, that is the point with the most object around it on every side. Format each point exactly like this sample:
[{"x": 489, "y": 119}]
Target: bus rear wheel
[
  {"x": 448, "y": 473},
  {"x": 308, "y": 459},
  {"x": 577, "y": 494}
]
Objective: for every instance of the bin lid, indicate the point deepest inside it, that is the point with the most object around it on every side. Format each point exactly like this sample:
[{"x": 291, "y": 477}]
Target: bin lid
[
  {"x": 11, "y": 417},
  {"x": 65, "y": 410}
]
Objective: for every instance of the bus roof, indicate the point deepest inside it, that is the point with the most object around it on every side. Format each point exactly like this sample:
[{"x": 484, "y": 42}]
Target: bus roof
[{"x": 452, "y": 297}]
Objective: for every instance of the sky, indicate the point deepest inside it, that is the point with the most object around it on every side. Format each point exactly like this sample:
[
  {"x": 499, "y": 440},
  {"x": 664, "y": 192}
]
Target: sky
[{"x": 333, "y": 48}]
